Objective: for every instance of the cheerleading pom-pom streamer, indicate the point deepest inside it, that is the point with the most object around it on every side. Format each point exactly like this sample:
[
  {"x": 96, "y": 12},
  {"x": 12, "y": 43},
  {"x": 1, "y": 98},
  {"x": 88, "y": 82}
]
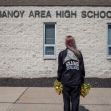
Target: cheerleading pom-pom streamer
[
  {"x": 85, "y": 88},
  {"x": 58, "y": 87}
]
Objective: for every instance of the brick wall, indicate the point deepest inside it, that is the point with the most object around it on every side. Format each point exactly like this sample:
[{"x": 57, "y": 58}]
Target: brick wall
[{"x": 21, "y": 43}]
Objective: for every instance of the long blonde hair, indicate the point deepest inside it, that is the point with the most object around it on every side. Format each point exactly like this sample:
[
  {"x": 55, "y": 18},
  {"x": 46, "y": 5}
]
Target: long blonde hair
[{"x": 71, "y": 44}]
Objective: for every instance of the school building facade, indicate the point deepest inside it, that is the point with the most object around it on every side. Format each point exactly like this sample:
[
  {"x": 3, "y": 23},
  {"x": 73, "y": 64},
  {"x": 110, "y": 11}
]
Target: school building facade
[{"x": 32, "y": 33}]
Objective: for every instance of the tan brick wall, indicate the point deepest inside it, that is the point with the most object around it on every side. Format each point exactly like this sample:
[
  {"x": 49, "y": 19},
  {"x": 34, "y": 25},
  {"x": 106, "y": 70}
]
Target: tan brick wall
[{"x": 21, "y": 43}]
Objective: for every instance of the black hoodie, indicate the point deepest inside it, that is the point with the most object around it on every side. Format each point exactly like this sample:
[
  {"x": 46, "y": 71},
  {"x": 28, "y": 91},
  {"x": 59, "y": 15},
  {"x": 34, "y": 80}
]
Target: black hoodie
[{"x": 70, "y": 69}]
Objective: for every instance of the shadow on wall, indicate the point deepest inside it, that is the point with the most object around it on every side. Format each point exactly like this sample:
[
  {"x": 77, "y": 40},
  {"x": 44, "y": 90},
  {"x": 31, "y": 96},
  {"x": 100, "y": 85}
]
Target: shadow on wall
[{"x": 82, "y": 108}]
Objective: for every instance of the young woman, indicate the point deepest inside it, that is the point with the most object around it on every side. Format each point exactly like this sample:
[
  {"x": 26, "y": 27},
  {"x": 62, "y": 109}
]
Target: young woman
[{"x": 71, "y": 74}]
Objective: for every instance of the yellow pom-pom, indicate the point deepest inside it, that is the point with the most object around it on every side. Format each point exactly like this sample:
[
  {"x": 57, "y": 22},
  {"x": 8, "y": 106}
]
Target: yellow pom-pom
[
  {"x": 85, "y": 89},
  {"x": 58, "y": 87}
]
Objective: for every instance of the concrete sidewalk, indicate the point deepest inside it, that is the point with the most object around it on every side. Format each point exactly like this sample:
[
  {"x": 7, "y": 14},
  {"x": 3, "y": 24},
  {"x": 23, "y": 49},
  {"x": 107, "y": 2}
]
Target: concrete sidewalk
[{"x": 45, "y": 99}]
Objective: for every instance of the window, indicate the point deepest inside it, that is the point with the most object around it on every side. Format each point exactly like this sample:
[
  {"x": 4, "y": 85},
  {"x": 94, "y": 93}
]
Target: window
[
  {"x": 109, "y": 39},
  {"x": 49, "y": 40}
]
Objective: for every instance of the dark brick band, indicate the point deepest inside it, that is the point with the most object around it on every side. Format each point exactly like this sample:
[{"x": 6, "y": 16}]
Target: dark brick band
[
  {"x": 55, "y": 2},
  {"x": 48, "y": 82}
]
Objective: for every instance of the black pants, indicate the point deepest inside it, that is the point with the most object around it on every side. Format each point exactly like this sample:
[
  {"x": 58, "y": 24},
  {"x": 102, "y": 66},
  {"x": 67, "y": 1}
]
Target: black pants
[{"x": 71, "y": 98}]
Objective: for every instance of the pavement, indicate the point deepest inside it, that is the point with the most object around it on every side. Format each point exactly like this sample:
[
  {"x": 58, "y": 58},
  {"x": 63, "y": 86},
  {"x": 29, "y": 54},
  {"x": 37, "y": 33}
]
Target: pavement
[{"x": 46, "y": 99}]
